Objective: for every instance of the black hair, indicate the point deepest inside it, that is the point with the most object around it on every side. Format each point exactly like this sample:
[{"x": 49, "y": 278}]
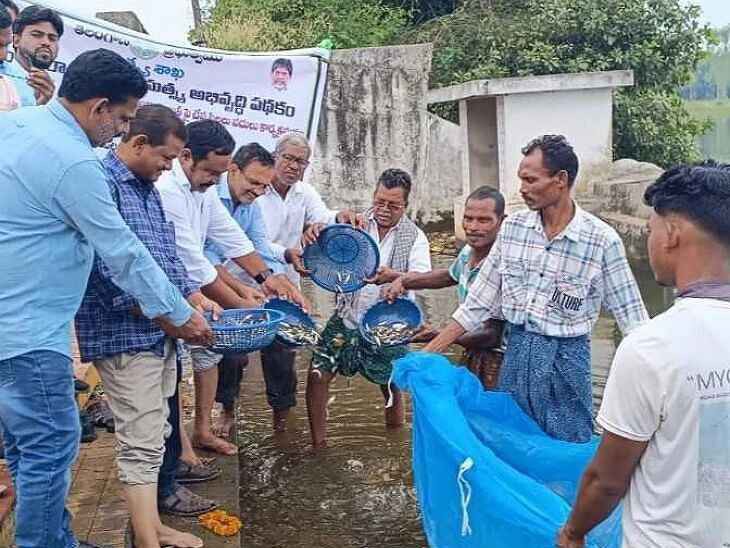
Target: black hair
[
  {"x": 9, "y": 5},
  {"x": 699, "y": 192},
  {"x": 156, "y": 122},
  {"x": 5, "y": 21},
  {"x": 37, "y": 14},
  {"x": 102, "y": 73},
  {"x": 283, "y": 63},
  {"x": 489, "y": 193},
  {"x": 206, "y": 136},
  {"x": 253, "y": 152},
  {"x": 396, "y": 178},
  {"x": 557, "y": 155}
]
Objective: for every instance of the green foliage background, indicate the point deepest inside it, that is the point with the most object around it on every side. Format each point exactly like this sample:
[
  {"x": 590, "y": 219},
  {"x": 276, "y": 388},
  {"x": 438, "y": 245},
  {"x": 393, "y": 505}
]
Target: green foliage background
[{"x": 663, "y": 41}]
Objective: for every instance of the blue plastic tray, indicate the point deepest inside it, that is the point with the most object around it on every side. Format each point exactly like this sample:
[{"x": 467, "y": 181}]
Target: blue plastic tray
[
  {"x": 242, "y": 330},
  {"x": 341, "y": 258},
  {"x": 400, "y": 310}
]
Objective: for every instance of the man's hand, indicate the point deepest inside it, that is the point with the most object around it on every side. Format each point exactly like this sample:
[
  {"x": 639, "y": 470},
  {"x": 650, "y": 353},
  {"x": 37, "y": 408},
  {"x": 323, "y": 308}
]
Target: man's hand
[
  {"x": 425, "y": 334},
  {"x": 312, "y": 233},
  {"x": 42, "y": 84},
  {"x": 347, "y": 216},
  {"x": 384, "y": 275},
  {"x": 195, "y": 331},
  {"x": 250, "y": 296},
  {"x": 203, "y": 304},
  {"x": 395, "y": 289},
  {"x": 564, "y": 540},
  {"x": 293, "y": 256},
  {"x": 279, "y": 285}
]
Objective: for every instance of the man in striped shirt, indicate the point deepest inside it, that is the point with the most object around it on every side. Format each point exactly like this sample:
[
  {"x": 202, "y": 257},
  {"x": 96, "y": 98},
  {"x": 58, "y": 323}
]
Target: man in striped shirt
[{"x": 551, "y": 269}]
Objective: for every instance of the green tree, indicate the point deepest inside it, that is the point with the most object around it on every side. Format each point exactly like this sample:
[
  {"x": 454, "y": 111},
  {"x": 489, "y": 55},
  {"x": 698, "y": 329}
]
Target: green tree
[
  {"x": 267, "y": 25},
  {"x": 661, "y": 40}
]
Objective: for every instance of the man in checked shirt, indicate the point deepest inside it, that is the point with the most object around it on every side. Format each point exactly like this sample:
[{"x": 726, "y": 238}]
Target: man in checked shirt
[{"x": 551, "y": 269}]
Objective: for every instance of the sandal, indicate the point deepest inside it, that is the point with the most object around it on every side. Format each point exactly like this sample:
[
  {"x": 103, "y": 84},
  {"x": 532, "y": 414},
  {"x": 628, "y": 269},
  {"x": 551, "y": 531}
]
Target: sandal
[
  {"x": 184, "y": 503},
  {"x": 196, "y": 473}
]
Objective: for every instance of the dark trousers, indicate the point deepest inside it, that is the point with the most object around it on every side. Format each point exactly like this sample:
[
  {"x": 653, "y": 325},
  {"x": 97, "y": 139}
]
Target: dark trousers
[
  {"x": 230, "y": 374},
  {"x": 280, "y": 376},
  {"x": 167, "y": 484}
]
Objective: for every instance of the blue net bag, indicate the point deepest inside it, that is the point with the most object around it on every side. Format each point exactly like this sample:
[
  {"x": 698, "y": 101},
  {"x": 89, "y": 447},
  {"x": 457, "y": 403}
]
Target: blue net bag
[{"x": 485, "y": 474}]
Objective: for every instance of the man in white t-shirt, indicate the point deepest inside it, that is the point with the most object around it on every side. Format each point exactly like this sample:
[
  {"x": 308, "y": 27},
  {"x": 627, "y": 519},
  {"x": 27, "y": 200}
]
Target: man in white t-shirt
[{"x": 666, "y": 408}]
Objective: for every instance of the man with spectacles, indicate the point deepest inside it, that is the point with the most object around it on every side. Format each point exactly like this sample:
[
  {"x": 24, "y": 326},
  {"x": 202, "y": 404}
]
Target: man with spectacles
[
  {"x": 403, "y": 248},
  {"x": 289, "y": 205}
]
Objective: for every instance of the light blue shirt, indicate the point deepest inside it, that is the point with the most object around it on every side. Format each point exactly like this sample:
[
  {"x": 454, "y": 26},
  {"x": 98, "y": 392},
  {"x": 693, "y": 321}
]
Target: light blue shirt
[
  {"x": 251, "y": 220},
  {"x": 19, "y": 76},
  {"x": 55, "y": 211}
]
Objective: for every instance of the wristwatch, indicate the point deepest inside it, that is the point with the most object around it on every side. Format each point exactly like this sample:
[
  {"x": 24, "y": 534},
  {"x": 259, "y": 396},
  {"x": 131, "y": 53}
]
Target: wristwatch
[{"x": 261, "y": 276}]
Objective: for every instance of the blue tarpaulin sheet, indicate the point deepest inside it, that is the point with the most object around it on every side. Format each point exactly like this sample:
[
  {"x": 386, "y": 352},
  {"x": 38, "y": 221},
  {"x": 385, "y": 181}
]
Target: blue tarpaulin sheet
[{"x": 485, "y": 474}]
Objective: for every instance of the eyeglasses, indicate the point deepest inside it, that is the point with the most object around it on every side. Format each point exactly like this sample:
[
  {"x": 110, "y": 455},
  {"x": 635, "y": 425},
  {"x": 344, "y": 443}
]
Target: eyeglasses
[
  {"x": 390, "y": 206},
  {"x": 294, "y": 160}
]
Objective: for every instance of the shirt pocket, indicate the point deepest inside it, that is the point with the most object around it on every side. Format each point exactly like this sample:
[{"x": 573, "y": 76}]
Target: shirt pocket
[
  {"x": 514, "y": 282},
  {"x": 569, "y": 297}
]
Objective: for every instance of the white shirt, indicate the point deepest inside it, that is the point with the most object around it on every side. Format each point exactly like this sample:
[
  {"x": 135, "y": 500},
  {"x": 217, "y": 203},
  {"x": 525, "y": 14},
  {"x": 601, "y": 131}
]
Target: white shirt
[
  {"x": 198, "y": 216},
  {"x": 670, "y": 385},
  {"x": 419, "y": 260},
  {"x": 285, "y": 217}
]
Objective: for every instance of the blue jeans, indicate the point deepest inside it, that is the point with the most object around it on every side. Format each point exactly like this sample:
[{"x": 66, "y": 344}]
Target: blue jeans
[
  {"x": 40, "y": 423},
  {"x": 167, "y": 482}
]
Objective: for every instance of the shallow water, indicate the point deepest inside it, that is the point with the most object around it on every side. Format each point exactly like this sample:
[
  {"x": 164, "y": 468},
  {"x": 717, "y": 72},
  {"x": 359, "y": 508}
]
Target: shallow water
[{"x": 359, "y": 492}]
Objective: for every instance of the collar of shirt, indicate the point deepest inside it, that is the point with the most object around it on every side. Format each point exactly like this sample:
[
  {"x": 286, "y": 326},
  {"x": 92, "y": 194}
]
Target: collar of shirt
[
  {"x": 179, "y": 177},
  {"x": 64, "y": 116},
  {"x": 373, "y": 227},
  {"x": 123, "y": 175},
  {"x": 571, "y": 232},
  {"x": 296, "y": 188}
]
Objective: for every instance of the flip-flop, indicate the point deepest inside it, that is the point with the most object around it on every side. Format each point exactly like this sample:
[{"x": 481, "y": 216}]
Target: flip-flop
[
  {"x": 195, "y": 473},
  {"x": 184, "y": 503}
]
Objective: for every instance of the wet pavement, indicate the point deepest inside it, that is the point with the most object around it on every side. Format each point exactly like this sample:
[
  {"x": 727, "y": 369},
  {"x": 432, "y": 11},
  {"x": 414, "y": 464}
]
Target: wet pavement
[{"x": 358, "y": 493}]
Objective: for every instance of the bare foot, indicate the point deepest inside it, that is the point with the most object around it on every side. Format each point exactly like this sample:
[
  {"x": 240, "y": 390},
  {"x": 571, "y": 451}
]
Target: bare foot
[
  {"x": 280, "y": 419},
  {"x": 223, "y": 427},
  {"x": 167, "y": 536},
  {"x": 215, "y": 444}
]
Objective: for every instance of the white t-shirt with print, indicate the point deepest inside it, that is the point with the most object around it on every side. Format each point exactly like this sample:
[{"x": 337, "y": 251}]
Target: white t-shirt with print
[{"x": 670, "y": 385}]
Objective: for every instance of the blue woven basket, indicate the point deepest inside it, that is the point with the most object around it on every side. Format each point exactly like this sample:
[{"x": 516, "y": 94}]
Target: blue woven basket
[
  {"x": 399, "y": 311},
  {"x": 242, "y": 330},
  {"x": 341, "y": 258},
  {"x": 293, "y": 315}
]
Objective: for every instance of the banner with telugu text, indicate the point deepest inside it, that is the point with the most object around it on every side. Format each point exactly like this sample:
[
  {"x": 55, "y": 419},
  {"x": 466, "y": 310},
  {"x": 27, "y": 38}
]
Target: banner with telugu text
[{"x": 239, "y": 90}]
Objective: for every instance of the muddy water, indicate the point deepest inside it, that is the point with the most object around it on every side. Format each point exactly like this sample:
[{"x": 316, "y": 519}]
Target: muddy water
[{"x": 359, "y": 492}]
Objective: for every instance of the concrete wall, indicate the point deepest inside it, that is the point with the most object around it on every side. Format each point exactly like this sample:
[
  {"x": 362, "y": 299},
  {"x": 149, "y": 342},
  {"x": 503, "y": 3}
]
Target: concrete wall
[
  {"x": 374, "y": 117},
  {"x": 618, "y": 197},
  {"x": 525, "y": 116}
]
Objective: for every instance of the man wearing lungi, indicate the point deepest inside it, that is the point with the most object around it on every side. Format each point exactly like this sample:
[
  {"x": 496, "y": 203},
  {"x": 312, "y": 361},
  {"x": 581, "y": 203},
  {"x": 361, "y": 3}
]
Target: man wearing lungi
[
  {"x": 403, "y": 248},
  {"x": 551, "y": 269}
]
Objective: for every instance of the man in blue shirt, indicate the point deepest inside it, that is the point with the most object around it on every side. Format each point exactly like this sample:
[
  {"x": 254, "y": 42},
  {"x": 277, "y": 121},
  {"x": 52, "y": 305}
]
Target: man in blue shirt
[
  {"x": 36, "y": 35},
  {"x": 137, "y": 362},
  {"x": 55, "y": 213},
  {"x": 249, "y": 174}
]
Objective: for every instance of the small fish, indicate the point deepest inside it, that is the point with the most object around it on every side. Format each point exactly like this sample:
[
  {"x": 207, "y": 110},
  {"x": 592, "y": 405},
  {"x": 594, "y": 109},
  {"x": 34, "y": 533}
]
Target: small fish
[
  {"x": 299, "y": 334},
  {"x": 391, "y": 334}
]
